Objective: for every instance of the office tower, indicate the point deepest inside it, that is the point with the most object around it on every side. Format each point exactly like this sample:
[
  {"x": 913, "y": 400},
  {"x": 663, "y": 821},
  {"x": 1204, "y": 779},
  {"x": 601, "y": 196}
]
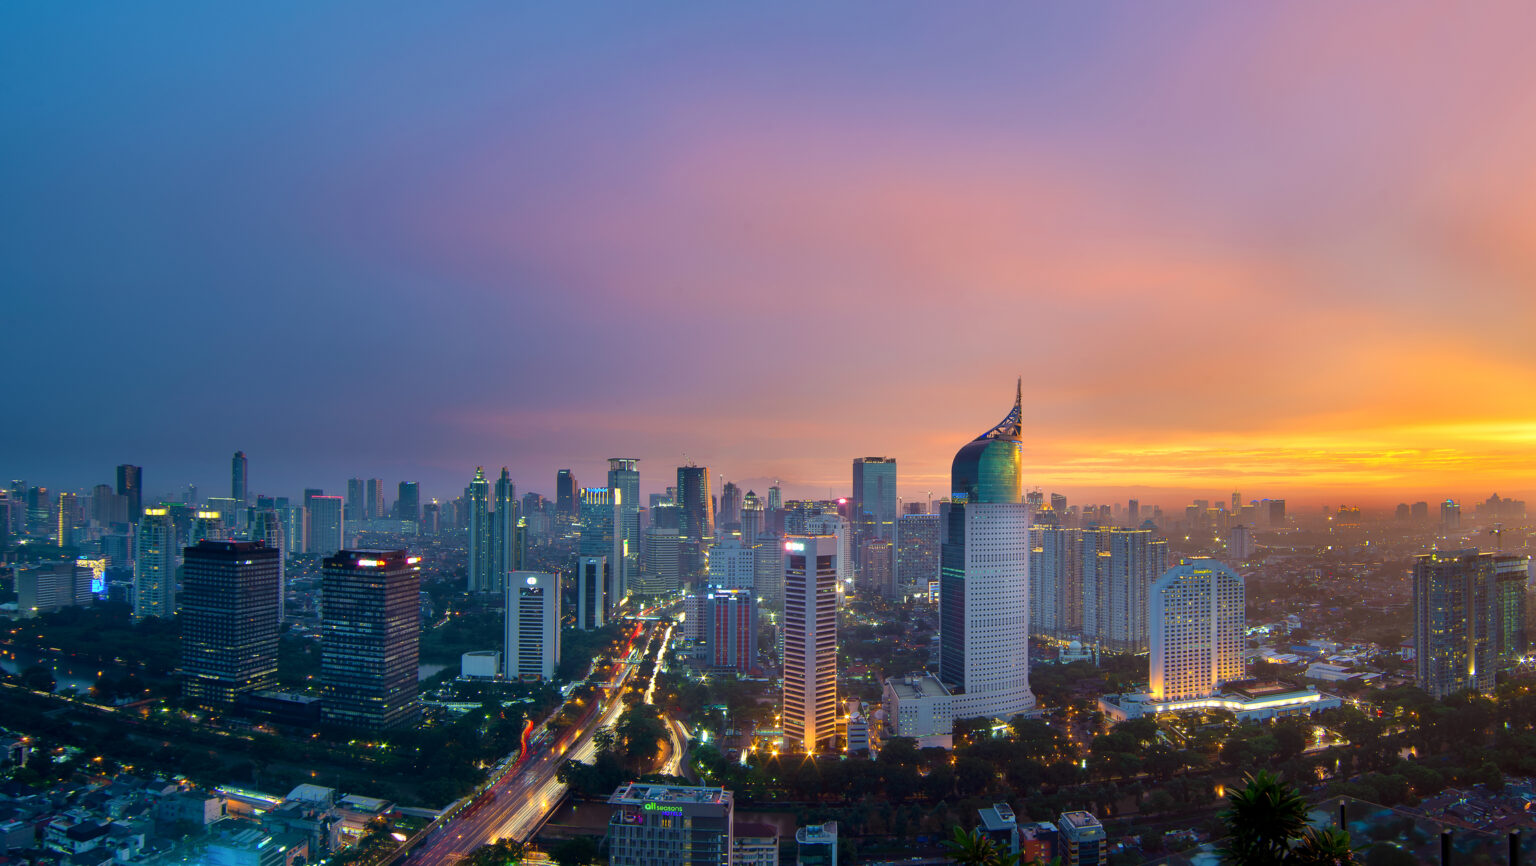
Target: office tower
[
  {"x": 567, "y": 499},
  {"x": 238, "y": 485},
  {"x": 229, "y": 621},
  {"x": 505, "y": 547},
  {"x": 600, "y": 513},
  {"x": 532, "y": 650},
  {"x": 373, "y": 494},
  {"x": 154, "y": 565},
  {"x": 356, "y": 500},
  {"x": 268, "y": 527},
  {"x": 768, "y": 571},
  {"x": 408, "y": 502},
  {"x": 816, "y": 845},
  {"x": 1119, "y": 567},
  {"x": 624, "y": 477},
  {"x": 327, "y": 529},
  {"x": 1197, "y": 630},
  {"x": 874, "y": 497},
  {"x": 1083, "y": 840},
  {"x": 810, "y": 642},
  {"x": 1402, "y": 513},
  {"x": 64, "y": 524},
  {"x": 775, "y": 498},
  {"x": 1419, "y": 511},
  {"x": 1059, "y": 504},
  {"x": 984, "y": 576},
  {"x": 369, "y": 638},
  {"x": 130, "y": 483},
  {"x": 653, "y": 824},
  {"x": 730, "y": 629},
  {"x": 1450, "y": 516},
  {"x": 751, "y": 516},
  {"x": 591, "y": 591},
  {"x": 209, "y": 526},
  {"x": 1276, "y": 512},
  {"x": 48, "y": 586},
  {"x": 478, "y": 496},
  {"x": 1133, "y": 512},
  {"x": 431, "y": 518},
  {"x": 731, "y": 565},
  {"x": 698, "y": 520},
  {"x": 729, "y": 514},
  {"x": 879, "y": 571},
  {"x": 1468, "y": 615},
  {"x": 107, "y": 508},
  {"x": 660, "y": 565},
  {"x": 1055, "y": 582},
  {"x": 295, "y": 520},
  {"x": 917, "y": 551},
  {"x": 1240, "y": 545}
]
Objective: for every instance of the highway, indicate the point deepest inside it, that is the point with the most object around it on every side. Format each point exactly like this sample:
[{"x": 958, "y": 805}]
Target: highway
[{"x": 522, "y": 796}]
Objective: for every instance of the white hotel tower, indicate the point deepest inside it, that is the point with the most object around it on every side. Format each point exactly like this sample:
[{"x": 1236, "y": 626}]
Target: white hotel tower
[{"x": 1197, "y": 630}]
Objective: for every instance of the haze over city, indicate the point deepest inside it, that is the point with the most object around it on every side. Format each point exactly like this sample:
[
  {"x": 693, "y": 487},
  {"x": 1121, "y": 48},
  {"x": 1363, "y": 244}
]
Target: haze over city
[{"x": 1229, "y": 248}]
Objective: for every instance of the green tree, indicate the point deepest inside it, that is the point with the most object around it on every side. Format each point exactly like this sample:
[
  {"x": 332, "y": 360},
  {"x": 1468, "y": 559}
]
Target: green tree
[
  {"x": 1262, "y": 818},
  {"x": 974, "y": 849}
]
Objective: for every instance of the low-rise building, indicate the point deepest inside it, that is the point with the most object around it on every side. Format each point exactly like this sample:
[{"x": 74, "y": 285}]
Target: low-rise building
[
  {"x": 919, "y": 706},
  {"x": 755, "y": 845},
  {"x": 652, "y": 824}
]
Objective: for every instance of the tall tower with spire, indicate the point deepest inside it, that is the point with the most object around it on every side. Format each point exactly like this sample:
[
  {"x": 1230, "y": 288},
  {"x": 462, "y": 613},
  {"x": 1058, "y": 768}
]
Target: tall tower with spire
[{"x": 984, "y": 575}]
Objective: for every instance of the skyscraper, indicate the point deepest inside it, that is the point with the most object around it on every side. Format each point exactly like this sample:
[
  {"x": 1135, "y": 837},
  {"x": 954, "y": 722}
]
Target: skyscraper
[
  {"x": 1118, "y": 567},
  {"x": 1468, "y": 614},
  {"x": 408, "y": 502},
  {"x": 984, "y": 576},
  {"x": 327, "y": 529},
  {"x": 874, "y": 497},
  {"x": 698, "y": 520},
  {"x": 64, "y": 522},
  {"x": 567, "y": 500},
  {"x": 154, "y": 566},
  {"x": 370, "y": 634},
  {"x": 810, "y": 642},
  {"x": 730, "y": 629},
  {"x": 730, "y": 505},
  {"x": 238, "y": 488},
  {"x": 751, "y": 517},
  {"x": 532, "y": 650},
  {"x": 775, "y": 498},
  {"x": 591, "y": 591},
  {"x": 357, "y": 508},
  {"x": 1450, "y": 516},
  {"x": 731, "y": 565},
  {"x": 209, "y": 526},
  {"x": 506, "y": 550},
  {"x": 917, "y": 551},
  {"x": 373, "y": 498},
  {"x": 1197, "y": 630},
  {"x": 267, "y": 527},
  {"x": 229, "y": 621},
  {"x": 625, "y": 478},
  {"x": 130, "y": 483},
  {"x": 1055, "y": 582},
  {"x": 478, "y": 497}
]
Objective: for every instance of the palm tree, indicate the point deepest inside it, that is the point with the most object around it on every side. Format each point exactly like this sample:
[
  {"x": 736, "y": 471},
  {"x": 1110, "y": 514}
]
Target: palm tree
[
  {"x": 1325, "y": 847},
  {"x": 974, "y": 849},
  {"x": 1262, "y": 818}
]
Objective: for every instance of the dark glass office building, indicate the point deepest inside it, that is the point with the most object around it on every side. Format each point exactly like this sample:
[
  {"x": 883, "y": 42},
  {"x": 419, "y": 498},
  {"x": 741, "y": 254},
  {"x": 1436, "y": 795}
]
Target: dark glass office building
[
  {"x": 370, "y": 626},
  {"x": 228, "y": 621}
]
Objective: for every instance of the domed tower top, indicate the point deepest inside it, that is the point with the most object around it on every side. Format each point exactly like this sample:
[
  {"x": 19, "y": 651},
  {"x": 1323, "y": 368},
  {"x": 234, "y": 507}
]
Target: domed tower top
[{"x": 990, "y": 468}]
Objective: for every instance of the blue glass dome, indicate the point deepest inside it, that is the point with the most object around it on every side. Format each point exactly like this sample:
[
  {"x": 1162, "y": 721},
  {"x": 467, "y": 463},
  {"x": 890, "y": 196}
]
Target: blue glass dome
[{"x": 990, "y": 468}]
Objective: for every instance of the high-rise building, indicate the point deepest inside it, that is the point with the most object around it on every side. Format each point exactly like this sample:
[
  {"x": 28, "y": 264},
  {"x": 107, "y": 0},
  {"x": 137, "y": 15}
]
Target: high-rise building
[
  {"x": 810, "y": 642},
  {"x": 506, "y": 539},
  {"x": 238, "y": 485},
  {"x": 591, "y": 591},
  {"x": 874, "y": 497},
  {"x": 730, "y": 629},
  {"x": 408, "y": 502},
  {"x": 478, "y": 496},
  {"x": 229, "y": 621},
  {"x": 878, "y": 573},
  {"x": 373, "y": 498},
  {"x": 624, "y": 477},
  {"x": 732, "y": 565},
  {"x": 1055, "y": 582},
  {"x": 917, "y": 551},
  {"x": 154, "y": 565},
  {"x": 130, "y": 483},
  {"x": 1118, "y": 569},
  {"x": 327, "y": 529},
  {"x": 64, "y": 523},
  {"x": 1450, "y": 516},
  {"x": 267, "y": 527},
  {"x": 775, "y": 498},
  {"x": 660, "y": 567},
  {"x": 532, "y": 650},
  {"x": 1083, "y": 841},
  {"x": 654, "y": 824},
  {"x": 1468, "y": 615},
  {"x": 370, "y": 634},
  {"x": 729, "y": 515},
  {"x": 48, "y": 586},
  {"x": 295, "y": 528},
  {"x": 1240, "y": 545},
  {"x": 751, "y": 516},
  {"x": 209, "y": 526},
  {"x": 1197, "y": 630},
  {"x": 698, "y": 521},
  {"x": 984, "y": 576},
  {"x": 357, "y": 500},
  {"x": 567, "y": 499}
]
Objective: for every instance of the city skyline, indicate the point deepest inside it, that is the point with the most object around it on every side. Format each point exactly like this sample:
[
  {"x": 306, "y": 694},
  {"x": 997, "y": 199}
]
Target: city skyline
[{"x": 1227, "y": 249}]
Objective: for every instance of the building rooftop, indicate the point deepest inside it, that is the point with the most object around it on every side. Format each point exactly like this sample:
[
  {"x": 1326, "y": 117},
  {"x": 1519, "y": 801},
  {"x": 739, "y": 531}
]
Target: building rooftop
[
  {"x": 1079, "y": 820},
  {"x": 915, "y": 686},
  {"x": 817, "y": 834},
  {"x": 998, "y": 816},
  {"x": 636, "y": 792}
]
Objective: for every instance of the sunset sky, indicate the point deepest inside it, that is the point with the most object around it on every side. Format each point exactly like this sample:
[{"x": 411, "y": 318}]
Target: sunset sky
[{"x": 1286, "y": 249}]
